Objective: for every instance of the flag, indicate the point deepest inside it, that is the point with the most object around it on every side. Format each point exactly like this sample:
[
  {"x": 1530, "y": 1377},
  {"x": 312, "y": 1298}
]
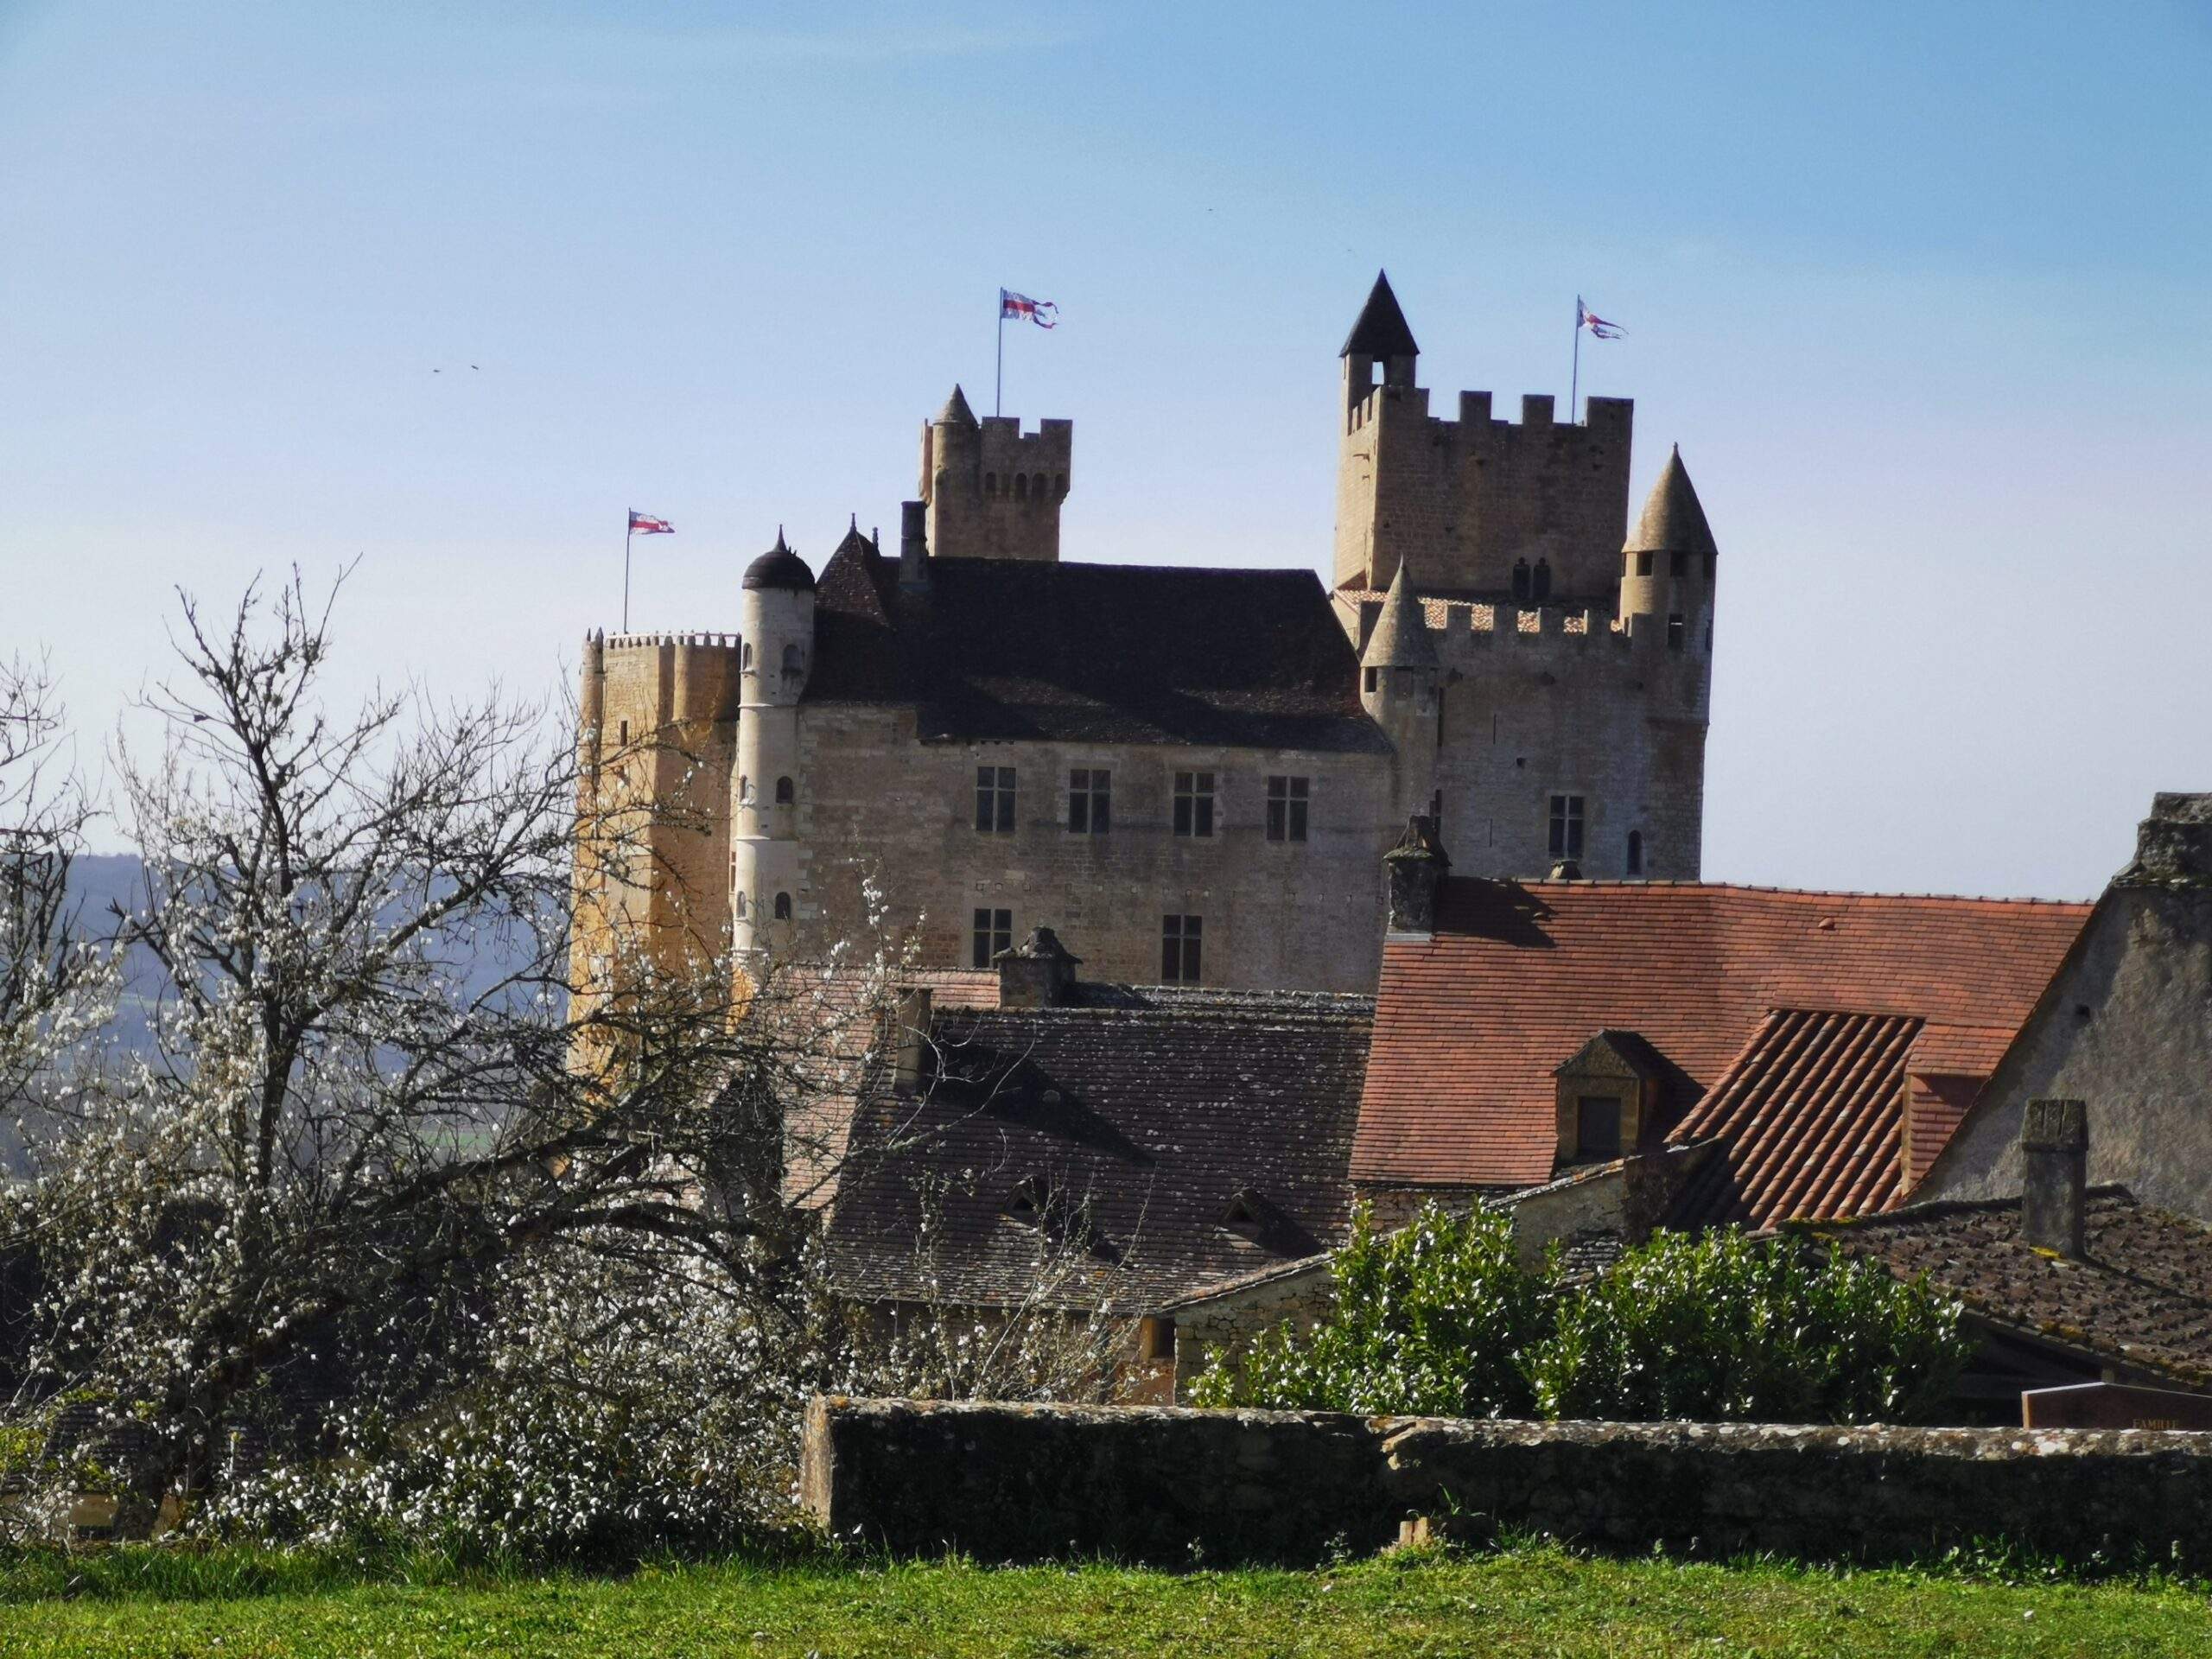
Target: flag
[
  {"x": 644, "y": 524},
  {"x": 1599, "y": 328},
  {"x": 1043, "y": 313}
]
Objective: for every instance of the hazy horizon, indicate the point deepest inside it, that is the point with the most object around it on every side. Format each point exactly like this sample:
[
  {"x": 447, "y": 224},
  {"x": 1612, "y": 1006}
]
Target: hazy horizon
[{"x": 1921, "y": 296}]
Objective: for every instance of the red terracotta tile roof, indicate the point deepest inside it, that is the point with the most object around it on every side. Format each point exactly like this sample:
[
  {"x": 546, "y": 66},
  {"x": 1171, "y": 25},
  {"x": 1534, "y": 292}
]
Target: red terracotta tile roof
[
  {"x": 1808, "y": 1118},
  {"x": 1469, "y": 1024}
]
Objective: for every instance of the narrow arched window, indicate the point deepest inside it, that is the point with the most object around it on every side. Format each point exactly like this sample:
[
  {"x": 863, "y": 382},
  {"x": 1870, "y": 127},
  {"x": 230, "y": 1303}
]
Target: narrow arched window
[
  {"x": 1541, "y": 585},
  {"x": 791, "y": 662},
  {"x": 741, "y": 904},
  {"x": 783, "y": 793},
  {"x": 1635, "y": 852},
  {"x": 744, "y": 789},
  {"x": 1521, "y": 579},
  {"x": 783, "y": 906},
  {"x": 1021, "y": 486},
  {"x": 747, "y": 662},
  {"x": 1037, "y": 486}
]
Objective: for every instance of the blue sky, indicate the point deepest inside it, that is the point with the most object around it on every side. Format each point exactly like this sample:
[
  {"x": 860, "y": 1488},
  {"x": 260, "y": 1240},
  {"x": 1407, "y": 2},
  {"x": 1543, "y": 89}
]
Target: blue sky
[{"x": 1922, "y": 293}]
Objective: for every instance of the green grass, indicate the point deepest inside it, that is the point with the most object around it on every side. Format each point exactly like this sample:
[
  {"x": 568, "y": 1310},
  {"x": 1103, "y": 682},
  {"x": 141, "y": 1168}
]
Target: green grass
[{"x": 1534, "y": 1600}]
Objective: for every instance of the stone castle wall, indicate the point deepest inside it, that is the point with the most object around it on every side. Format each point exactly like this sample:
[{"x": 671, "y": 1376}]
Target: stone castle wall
[
  {"x": 1277, "y": 914},
  {"x": 1465, "y": 500},
  {"x": 1154, "y": 1483}
]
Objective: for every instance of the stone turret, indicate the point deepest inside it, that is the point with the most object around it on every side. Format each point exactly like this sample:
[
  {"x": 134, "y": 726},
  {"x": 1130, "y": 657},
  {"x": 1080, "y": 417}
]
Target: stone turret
[
  {"x": 1669, "y": 561},
  {"x": 776, "y": 623},
  {"x": 1398, "y": 678},
  {"x": 990, "y": 490},
  {"x": 1380, "y": 338}
]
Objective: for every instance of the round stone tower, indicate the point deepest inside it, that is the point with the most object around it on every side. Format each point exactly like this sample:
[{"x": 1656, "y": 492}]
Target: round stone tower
[
  {"x": 776, "y": 624},
  {"x": 1668, "y": 566},
  {"x": 1398, "y": 676}
]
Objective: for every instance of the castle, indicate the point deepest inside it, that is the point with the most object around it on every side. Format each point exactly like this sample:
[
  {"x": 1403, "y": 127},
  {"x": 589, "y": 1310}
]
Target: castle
[{"x": 1190, "y": 772}]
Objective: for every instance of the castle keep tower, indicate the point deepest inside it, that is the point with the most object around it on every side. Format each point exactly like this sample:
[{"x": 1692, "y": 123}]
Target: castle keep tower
[
  {"x": 1543, "y": 673},
  {"x": 1485, "y": 507},
  {"x": 990, "y": 490},
  {"x": 775, "y": 622}
]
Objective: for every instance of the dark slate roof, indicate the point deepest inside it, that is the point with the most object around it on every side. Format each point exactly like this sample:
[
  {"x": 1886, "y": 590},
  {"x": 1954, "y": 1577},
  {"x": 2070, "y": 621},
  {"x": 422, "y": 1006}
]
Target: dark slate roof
[
  {"x": 1381, "y": 330},
  {"x": 1171, "y": 1139},
  {"x": 2143, "y": 1295},
  {"x": 1000, "y": 649},
  {"x": 779, "y": 568}
]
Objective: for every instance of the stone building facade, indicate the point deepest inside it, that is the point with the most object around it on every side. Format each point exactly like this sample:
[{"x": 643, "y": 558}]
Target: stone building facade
[{"x": 1191, "y": 770}]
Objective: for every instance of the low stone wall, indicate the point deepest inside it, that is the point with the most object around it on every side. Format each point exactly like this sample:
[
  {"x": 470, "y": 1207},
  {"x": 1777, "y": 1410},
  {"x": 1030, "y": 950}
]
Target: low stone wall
[{"x": 1010, "y": 1482}]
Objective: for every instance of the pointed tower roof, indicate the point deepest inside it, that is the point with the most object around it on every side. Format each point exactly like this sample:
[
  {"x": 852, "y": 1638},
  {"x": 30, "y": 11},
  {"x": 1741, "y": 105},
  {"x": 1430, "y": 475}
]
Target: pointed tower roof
[
  {"x": 854, "y": 543},
  {"x": 1381, "y": 330},
  {"x": 1672, "y": 522},
  {"x": 1401, "y": 637},
  {"x": 956, "y": 411}
]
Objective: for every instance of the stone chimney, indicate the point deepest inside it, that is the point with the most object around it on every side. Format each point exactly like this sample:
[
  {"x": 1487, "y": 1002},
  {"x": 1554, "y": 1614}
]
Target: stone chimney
[
  {"x": 2173, "y": 847},
  {"x": 2053, "y": 1176},
  {"x": 1036, "y": 973},
  {"x": 1414, "y": 867},
  {"x": 912, "y": 1035},
  {"x": 914, "y": 546}
]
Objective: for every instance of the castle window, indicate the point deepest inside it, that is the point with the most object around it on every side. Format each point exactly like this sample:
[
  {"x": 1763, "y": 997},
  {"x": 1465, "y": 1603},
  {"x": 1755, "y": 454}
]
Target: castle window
[
  {"x": 1287, "y": 804},
  {"x": 785, "y": 794},
  {"x": 1194, "y": 803},
  {"x": 993, "y": 931},
  {"x": 1676, "y": 631},
  {"x": 1635, "y": 852},
  {"x": 1037, "y": 487},
  {"x": 1021, "y": 486},
  {"x": 745, "y": 656},
  {"x": 792, "y": 667},
  {"x": 1567, "y": 826},
  {"x": 1643, "y": 564},
  {"x": 624, "y": 740},
  {"x": 1091, "y": 800},
  {"x": 1374, "y": 679},
  {"x": 995, "y": 800},
  {"x": 1178, "y": 950},
  {"x": 1540, "y": 586},
  {"x": 744, "y": 789},
  {"x": 783, "y": 906},
  {"x": 1597, "y": 1125},
  {"x": 1678, "y": 564},
  {"x": 1521, "y": 579}
]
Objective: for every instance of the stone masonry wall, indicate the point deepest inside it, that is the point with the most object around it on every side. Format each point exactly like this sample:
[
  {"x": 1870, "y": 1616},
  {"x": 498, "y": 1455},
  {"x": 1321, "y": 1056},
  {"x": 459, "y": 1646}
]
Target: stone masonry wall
[
  {"x": 1006, "y": 1482},
  {"x": 1277, "y": 914}
]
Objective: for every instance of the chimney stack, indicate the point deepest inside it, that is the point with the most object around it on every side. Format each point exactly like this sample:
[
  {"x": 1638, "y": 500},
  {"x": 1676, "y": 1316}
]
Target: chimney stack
[
  {"x": 914, "y": 546},
  {"x": 2054, "y": 1177},
  {"x": 1036, "y": 973},
  {"x": 911, "y": 1036},
  {"x": 1414, "y": 867}
]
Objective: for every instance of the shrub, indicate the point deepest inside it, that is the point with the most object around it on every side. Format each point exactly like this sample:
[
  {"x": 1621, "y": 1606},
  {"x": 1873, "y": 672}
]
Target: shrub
[
  {"x": 1442, "y": 1319},
  {"x": 1434, "y": 1318}
]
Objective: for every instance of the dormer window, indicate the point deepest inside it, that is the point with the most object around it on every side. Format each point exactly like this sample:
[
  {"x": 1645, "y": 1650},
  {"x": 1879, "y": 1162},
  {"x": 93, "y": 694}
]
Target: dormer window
[
  {"x": 1597, "y": 1125},
  {"x": 1606, "y": 1093},
  {"x": 1026, "y": 1202}
]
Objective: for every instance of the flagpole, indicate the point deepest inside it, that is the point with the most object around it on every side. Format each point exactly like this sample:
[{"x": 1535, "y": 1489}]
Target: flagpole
[
  {"x": 629, "y": 529},
  {"x": 998, "y": 377},
  {"x": 1574, "y": 385}
]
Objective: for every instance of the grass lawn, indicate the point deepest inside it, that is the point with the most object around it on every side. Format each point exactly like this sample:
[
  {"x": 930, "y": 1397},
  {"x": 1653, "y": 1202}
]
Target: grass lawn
[{"x": 1531, "y": 1600}]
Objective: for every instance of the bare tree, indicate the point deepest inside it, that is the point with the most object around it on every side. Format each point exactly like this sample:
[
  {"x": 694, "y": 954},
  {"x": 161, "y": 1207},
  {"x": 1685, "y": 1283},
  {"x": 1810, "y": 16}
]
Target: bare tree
[
  {"x": 350, "y": 1133},
  {"x": 53, "y": 988}
]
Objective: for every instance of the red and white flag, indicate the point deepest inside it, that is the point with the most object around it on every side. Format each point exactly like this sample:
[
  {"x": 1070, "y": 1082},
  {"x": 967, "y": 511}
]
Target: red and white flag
[
  {"x": 1043, "y": 313},
  {"x": 1599, "y": 328},
  {"x": 644, "y": 524}
]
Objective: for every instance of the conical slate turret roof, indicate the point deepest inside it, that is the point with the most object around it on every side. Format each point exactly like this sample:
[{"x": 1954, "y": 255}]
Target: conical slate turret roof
[
  {"x": 1401, "y": 637},
  {"x": 855, "y": 543},
  {"x": 1381, "y": 330},
  {"x": 1672, "y": 522},
  {"x": 956, "y": 411}
]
